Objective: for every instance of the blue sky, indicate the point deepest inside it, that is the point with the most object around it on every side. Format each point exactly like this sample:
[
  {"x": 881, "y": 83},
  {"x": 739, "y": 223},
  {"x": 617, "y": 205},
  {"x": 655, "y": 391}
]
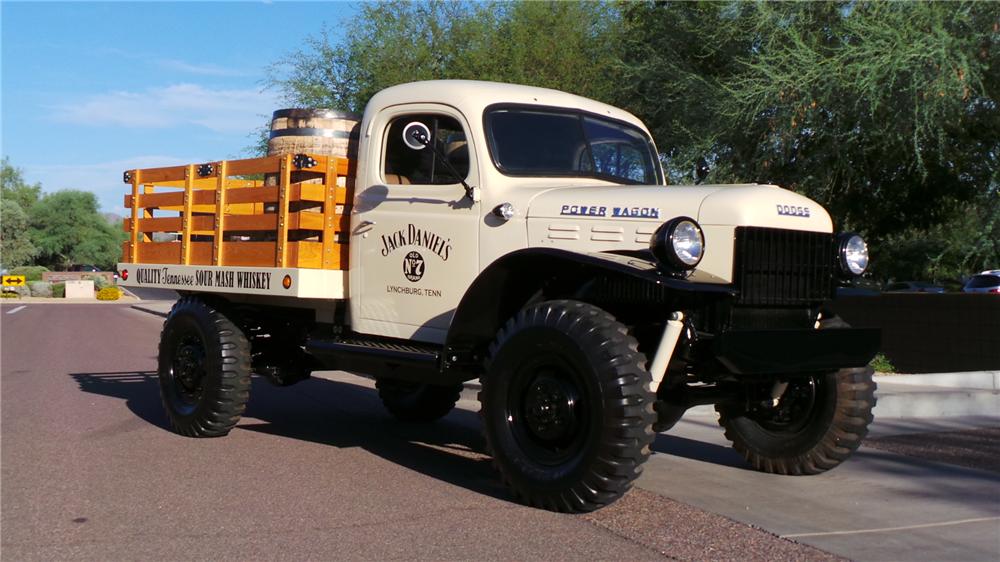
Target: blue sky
[{"x": 92, "y": 89}]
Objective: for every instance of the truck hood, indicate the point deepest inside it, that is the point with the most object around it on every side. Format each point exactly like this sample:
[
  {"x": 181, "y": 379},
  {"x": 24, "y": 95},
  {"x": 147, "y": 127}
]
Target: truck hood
[{"x": 724, "y": 205}]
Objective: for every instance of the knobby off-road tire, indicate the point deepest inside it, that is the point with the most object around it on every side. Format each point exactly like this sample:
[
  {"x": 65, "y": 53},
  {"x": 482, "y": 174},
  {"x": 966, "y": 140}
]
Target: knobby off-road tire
[
  {"x": 204, "y": 369},
  {"x": 566, "y": 406},
  {"x": 415, "y": 402},
  {"x": 827, "y": 421}
]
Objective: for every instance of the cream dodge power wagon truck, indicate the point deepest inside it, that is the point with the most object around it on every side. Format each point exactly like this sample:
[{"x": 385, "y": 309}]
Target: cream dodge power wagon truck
[{"x": 525, "y": 237}]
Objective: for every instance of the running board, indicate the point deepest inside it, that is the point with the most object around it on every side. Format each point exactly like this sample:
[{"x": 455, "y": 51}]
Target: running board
[{"x": 379, "y": 357}]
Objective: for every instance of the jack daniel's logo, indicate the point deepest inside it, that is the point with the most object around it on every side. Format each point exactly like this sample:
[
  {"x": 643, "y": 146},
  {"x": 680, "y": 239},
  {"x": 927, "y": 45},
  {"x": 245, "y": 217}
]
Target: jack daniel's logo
[{"x": 414, "y": 236}]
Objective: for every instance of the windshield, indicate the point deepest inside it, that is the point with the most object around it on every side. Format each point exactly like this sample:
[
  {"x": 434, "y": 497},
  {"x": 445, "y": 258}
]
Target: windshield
[{"x": 528, "y": 141}]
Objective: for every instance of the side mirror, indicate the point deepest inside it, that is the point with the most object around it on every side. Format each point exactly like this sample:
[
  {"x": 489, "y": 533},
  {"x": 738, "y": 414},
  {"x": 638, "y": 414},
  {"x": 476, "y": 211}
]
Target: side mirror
[
  {"x": 416, "y": 135},
  {"x": 701, "y": 170}
]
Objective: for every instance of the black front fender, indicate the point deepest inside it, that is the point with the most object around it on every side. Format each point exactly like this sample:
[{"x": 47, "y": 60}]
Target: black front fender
[{"x": 511, "y": 281}]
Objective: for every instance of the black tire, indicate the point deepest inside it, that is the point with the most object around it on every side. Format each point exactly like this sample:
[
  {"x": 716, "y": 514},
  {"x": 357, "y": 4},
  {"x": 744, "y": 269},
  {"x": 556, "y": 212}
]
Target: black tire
[
  {"x": 820, "y": 427},
  {"x": 566, "y": 406},
  {"x": 415, "y": 402},
  {"x": 204, "y": 369}
]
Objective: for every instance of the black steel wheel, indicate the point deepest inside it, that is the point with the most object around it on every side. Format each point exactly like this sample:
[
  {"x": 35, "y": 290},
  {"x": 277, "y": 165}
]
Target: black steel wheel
[
  {"x": 204, "y": 369},
  {"x": 566, "y": 406},
  {"x": 816, "y": 424},
  {"x": 416, "y": 402}
]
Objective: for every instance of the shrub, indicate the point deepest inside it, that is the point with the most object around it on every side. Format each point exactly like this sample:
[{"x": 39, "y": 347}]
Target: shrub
[
  {"x": 59, "y": 290},
  {"x": 881, "y": 364},
  {"x": 99, "y": 281},
  {"x": 109, "y": 294},
  {"x": 30, "y": 272},
  {"x": 40, "y": 288},
  {"x": 9, "y": 295}
]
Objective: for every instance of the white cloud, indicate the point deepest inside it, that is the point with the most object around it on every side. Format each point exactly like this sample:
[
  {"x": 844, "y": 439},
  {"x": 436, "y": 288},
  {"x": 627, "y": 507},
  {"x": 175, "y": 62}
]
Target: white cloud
[
  {"x": 220, "y": 110},
  {"x": 203, "y": 69},
  {"x": 103, "y": 179}
]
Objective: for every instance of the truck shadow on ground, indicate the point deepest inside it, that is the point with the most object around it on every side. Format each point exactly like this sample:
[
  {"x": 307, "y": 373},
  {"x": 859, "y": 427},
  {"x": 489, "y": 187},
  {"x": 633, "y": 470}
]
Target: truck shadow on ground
[
  {"x": 340, "y": 414},
  {"x": 344, "y": 414}
]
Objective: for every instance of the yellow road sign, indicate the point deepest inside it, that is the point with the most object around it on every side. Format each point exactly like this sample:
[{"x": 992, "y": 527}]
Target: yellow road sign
[{"x": 13, "y": 281}]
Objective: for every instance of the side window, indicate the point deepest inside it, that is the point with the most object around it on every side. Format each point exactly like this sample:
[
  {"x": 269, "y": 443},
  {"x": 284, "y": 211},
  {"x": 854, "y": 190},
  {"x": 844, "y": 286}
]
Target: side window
[{"x": 404, "y": 166}]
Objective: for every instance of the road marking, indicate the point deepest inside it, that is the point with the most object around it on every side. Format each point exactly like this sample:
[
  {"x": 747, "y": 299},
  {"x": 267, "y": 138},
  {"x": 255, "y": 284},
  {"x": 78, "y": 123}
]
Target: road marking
[
  {"x": 887, "y": 529},
  {"x": 16, "y": 309}
]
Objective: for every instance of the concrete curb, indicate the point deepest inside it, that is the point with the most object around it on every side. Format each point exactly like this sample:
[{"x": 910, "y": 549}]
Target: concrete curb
[
  {"x": 979, "y": 380},
  {"x": 159, "y": 308}
]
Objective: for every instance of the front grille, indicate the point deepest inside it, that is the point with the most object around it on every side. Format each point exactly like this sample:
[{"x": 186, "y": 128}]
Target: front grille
[{"x": 782, "y": 267}]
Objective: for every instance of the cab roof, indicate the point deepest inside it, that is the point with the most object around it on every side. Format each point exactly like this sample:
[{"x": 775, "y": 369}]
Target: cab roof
[{"x": 472, "y": 97}]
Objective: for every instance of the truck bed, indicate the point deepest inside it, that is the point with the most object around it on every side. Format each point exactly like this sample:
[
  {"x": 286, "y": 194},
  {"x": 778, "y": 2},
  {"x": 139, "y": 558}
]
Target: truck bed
[{"x": 207, "y": 227}]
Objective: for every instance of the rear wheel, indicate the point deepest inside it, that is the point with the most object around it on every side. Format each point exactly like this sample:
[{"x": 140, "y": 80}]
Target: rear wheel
[
  {"x": 415, "y": 402},
  {"x": 566, "y": 406},
  {"x": 203, "y": 368},
  {"x": 816, "y": 423}
]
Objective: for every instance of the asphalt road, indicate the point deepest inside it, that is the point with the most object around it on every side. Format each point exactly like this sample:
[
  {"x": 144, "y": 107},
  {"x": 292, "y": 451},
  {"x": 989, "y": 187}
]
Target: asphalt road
[
  {"x": 315, "y": 471},
  {"x": 319, "y": 470}
]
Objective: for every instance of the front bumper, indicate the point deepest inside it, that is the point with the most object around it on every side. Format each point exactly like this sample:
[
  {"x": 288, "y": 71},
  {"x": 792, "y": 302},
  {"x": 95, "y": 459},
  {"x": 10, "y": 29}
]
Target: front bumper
[{"x": 796, "y": 351}]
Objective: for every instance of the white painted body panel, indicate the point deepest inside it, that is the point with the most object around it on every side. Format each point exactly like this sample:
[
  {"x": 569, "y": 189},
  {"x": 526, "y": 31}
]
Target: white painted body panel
[
  {"x": 610, "y": 223},
  {"x": 431, "y": 229},
  {"x": 265, "y": 281}
]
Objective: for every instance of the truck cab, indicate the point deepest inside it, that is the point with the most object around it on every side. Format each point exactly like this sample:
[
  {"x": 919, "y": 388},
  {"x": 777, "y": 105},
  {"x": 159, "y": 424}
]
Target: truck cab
[{"x": 525, "y": 237}]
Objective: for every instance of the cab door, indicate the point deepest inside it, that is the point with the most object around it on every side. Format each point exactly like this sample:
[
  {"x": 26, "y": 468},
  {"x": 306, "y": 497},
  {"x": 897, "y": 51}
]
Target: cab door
[{"x": 415, "y": 236}]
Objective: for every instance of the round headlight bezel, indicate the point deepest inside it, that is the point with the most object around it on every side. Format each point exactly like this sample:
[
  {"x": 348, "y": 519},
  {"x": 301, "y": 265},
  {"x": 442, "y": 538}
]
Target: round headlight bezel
[
  {"x": 847, "y": 243},
  {"x": 662, "y": 244}
]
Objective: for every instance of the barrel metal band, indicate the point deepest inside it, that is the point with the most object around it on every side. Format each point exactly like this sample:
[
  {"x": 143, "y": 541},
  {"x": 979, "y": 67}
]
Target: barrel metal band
[
  {"x": 315, "y": 113},
  {"x": 312, "y": 132}
]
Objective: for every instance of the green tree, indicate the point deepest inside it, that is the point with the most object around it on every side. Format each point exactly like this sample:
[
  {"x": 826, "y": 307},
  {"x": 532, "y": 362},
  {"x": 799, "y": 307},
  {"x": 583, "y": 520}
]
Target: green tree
[
  {"x": 566, "y": 45},
  {"x": 16, "y": 200},
  {"x": 14, "y": 188},
  {"x": 15, "y": 245},
  {"x": 886, "y": 113},
  {"x": 68, "y": 230}
]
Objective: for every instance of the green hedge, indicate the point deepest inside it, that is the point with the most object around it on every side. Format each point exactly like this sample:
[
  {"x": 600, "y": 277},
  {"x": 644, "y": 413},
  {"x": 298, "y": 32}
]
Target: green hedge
[
  {"x": 31, "y": 272},
  {"x": 99, "y": 281}
]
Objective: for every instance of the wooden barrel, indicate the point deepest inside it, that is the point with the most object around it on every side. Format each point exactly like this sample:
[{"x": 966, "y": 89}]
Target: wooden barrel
[
  {"x": 319, "y": 131},
  {"x": 311, "y": 131}
]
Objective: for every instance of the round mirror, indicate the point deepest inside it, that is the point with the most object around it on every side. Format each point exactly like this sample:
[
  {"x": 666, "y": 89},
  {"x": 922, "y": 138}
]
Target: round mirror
[
  {"x": 701, "y": 170},
  {"x": 416, "y": 135}
]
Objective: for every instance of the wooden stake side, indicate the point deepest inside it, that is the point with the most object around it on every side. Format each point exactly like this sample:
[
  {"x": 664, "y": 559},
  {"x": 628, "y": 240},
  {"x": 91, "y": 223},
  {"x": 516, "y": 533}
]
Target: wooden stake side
[
  {"x": 133, "y": 245},
  {"x": 220, "y": 212},
  {"x": 210, "y": 205},
  {"x": 285, "y": 173},
  {"x": 186, "y": 218},
  {"x": 329, "y": 212}
]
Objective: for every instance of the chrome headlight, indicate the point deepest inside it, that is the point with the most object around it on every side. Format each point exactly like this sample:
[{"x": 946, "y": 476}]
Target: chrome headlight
[
  {"x": 852, "y": 254},
  {"x": 678, "y": 244}
]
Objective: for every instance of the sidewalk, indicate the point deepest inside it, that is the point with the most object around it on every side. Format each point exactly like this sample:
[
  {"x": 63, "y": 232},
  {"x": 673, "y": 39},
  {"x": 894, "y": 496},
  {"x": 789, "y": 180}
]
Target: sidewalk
[{"x": 938, "y": 395}]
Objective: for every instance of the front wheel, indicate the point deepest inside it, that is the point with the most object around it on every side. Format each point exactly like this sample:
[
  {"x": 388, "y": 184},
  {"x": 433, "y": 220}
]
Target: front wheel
[
  {"x": 566, "y": 406},
  {"x": 204, "y": 369},
  {"x": 816, "y": 423}
]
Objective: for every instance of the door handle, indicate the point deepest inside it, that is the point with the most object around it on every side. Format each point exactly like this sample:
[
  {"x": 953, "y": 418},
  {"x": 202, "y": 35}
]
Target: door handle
[{"x": 364, "y": 226}]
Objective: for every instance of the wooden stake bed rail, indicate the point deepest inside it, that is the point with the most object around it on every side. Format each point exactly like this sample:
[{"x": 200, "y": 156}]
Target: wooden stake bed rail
[{"x": 217, "y": 219}]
